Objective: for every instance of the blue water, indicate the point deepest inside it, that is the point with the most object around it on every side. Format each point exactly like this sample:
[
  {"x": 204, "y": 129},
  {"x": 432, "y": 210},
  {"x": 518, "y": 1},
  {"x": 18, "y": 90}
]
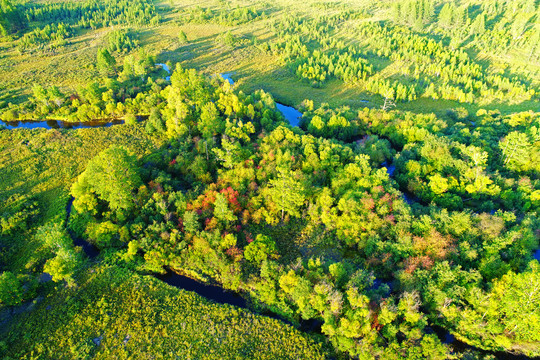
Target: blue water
[
  {"x": 290, "y": 114},
  {"x": 57, "y": 124},
  {"x": 227, "y": 76},
  {"x": 537, "y": 254},
  {"x": 390, "y": 169},
  {"x": 211, "y": 292},
  {"x": 409, "y": 199},
  {"x": 166, "y": 68}
]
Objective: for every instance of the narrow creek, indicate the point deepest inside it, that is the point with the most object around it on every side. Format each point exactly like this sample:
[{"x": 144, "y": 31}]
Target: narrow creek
[
  {"x": 290, "y": 114},
  {"x": 58, "y": 124},
  {"x": 221, "y": 296},
  {"x": 210, "y": 292},
  {"x": 216, "y": 293}
]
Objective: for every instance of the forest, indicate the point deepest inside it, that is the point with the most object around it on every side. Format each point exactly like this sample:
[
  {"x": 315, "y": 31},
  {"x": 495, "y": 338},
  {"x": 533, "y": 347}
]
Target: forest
[{"x": 142, "y": 139}]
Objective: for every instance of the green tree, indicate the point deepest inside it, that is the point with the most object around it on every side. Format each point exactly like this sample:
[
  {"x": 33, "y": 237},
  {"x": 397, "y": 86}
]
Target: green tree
[
  {"x": 130, "y": 119},
  {"x": 210, "y": 123},
  {"x": 11, "y": 19},
  {"x": 516, "y": 151},
  {"x": 182, "y": 37},
  {"x": 53, "y": 235},
  {"x": 105, "y": 62},
  {"x": 508, "y": 314},
  {"x": 63, "y": 265},
  {"x": 222, "y": 211},
  {"x": 478, "y": 27},
  {"x": 447, "y": 15},
  {"x": 11, "y": 292},
  {"x": 229, "y": 153},
  {"x": 229, "y": 39},
  {"x": 191, "y": 222},
  {"x": 287, "y": 192},
  {"x": 112, "y": 176},
  {"x": 260, "y": 249}
]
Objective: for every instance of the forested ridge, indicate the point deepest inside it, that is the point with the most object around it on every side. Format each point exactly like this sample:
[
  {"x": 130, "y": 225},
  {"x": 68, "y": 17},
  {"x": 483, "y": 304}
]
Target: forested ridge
[{"x": 394, "y": 220}]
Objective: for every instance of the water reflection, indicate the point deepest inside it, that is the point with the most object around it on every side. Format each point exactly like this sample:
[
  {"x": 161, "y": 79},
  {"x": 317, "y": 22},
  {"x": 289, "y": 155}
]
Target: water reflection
[
  {"x": 290, "y": 114},
  {"x": 58, "y": 124}
]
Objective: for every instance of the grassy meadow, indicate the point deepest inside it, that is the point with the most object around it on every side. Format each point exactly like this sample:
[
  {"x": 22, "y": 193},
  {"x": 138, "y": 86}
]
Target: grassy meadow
[{"x": 72, "y": 65}]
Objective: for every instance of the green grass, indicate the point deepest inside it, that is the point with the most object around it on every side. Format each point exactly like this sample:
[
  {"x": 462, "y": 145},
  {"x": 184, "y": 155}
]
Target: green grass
[
  {"x": 72, "y": 66},
  {"x": 43, "y": 164},
  {"x": 139, "y": 317}
]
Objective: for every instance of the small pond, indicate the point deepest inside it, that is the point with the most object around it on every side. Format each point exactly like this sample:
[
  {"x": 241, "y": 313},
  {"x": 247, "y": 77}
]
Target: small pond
[{"x": 290, "y": 114}]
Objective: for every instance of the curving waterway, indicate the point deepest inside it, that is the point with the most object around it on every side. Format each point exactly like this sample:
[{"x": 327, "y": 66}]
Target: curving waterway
[
  {"x": 290, "y": 114},
  {"x": 210, "y": 292},
  {"x": 58, "y": 124},
  {"x": 221, "y": 296}
]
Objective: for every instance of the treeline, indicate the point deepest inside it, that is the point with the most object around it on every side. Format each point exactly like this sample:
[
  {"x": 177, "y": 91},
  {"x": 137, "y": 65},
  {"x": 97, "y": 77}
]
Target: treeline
[
  {"x": 53, "y": 23},
  {"x": 327, "y": 58},
  {"x": 229, "y": 17},
  {"x": 439, "y": 72},
  {"x": 11, "y": 18},
  {"x": 48, "y": 37},
  {"x": 121, "y": 41},
  {"x": 95, "y": 14},
  {"x": 495, "y": 26},
  {"x": 414, "y": 13},
  {"x": 137, "y": 89},
  {"x": 114, "y": 97},
  {"x": 427, "y": 67},
  {"x": 316, "y": 67}
]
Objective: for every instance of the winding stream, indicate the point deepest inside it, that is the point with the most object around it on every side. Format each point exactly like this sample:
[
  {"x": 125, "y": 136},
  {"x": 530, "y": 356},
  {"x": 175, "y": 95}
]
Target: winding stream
[
  {"x": 166, "y": 68},
  {"x": 409, "y": 198},
  {"x": 212, "y": 292},
  {"x": 221, "y": 296},
  {"x": 227, "y": 76},
  {"x": 58, "y": 124},
  {"x": 290, "y": 114}
]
